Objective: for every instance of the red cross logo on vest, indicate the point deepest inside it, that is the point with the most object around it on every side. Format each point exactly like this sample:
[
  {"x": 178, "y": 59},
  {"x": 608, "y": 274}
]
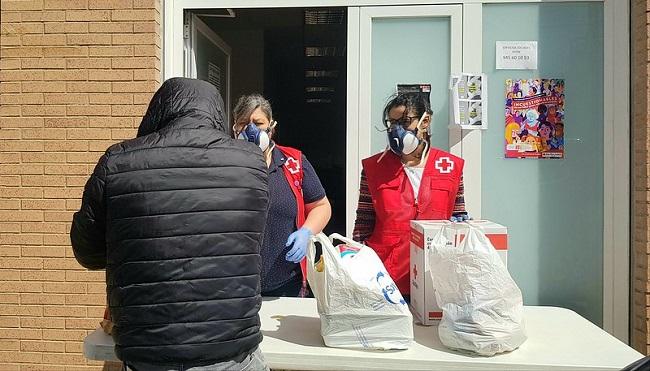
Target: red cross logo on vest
[
  {"x": 444, "y": 165},
  {"x": 292, "y": 165}
]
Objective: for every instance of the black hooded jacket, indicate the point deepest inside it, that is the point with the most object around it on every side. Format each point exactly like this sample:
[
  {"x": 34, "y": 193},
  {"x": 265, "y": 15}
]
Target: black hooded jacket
[{"x": 176, "y": 216}]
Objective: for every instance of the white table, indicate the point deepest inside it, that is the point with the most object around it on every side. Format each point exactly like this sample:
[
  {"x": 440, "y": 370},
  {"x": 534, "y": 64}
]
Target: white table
[{"x": 558, "y": 339}]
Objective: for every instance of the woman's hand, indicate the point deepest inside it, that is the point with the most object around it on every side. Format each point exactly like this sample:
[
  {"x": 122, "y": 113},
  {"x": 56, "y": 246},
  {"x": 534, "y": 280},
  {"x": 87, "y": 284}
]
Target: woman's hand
[
  {"x": 300, "y": 240},
  {"x": 318, "y": 214},
  {"x": 460, "y": 218}
]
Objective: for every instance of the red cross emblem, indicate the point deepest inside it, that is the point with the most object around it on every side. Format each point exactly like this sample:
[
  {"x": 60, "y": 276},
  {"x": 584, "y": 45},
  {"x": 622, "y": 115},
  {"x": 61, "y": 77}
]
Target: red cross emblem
[
  {"x": 293, "y": 165},
  {"x": 444, "y": 165},
  {"x": 415, "y": 272}
]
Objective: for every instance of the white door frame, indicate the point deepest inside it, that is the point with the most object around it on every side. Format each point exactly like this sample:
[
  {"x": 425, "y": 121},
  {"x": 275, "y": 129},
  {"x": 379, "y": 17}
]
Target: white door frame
[
  {"x": 616, "y": 200},
  {"x": 616, "y": 191}
]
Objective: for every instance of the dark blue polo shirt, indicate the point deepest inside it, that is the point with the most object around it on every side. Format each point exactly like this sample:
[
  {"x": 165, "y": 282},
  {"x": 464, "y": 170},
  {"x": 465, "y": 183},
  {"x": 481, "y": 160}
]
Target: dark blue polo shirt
[{"x": 281, "y": 221}]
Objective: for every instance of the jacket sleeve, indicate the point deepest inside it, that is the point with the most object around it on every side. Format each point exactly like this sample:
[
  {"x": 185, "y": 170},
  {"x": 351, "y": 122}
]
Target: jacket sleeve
[
  {"x": 459, "y": 204},
  {"x": 365, "y": 222},
  {"x": 88, "y": 232}
]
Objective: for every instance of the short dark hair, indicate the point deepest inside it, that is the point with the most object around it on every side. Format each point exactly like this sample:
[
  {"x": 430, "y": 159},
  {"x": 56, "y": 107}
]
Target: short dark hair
[
  {"x": 546, "y": 123},
  {"x": 415, "y": 102}
]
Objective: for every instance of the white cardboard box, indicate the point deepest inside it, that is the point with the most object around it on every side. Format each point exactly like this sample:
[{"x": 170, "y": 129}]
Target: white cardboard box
[{"x": 423, "y": 300}]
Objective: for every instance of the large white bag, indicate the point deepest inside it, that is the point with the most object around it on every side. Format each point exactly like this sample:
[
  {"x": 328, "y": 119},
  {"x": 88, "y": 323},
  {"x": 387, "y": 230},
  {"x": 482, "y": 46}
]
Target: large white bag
[
  {"x": 358, "y": 302},
  {"x": 482, "y": 307}
]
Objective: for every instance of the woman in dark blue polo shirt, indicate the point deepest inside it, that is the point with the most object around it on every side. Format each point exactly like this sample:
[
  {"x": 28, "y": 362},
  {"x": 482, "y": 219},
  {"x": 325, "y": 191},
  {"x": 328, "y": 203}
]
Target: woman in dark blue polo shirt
[{"x": 298, "y": 206}]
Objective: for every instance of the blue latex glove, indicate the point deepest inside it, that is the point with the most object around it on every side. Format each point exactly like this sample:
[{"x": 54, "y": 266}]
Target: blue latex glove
[
  {"x": 300, "y": 240},
  {"x": 460, "y": 218}
]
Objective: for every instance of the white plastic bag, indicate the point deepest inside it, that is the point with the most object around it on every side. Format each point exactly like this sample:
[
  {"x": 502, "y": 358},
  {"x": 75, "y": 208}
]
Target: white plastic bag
[
  {"x": 482, "y": 307},
  {"x": 358, "y": 302}
]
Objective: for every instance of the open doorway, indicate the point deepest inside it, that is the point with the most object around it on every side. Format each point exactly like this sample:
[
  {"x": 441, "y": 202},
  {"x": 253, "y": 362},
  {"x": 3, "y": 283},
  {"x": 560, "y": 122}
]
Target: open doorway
[{"x": 296, "y": 58}]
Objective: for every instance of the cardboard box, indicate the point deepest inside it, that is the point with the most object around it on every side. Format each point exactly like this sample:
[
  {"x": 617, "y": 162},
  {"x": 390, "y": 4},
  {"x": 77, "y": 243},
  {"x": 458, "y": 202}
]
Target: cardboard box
[{"x": 423, "y": 300}]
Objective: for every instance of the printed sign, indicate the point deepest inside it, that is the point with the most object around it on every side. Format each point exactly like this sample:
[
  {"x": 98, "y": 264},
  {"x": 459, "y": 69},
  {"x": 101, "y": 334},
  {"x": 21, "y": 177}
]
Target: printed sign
[
  {"x": 214, "y": 75},
  {"x": 516, "y": 55}
]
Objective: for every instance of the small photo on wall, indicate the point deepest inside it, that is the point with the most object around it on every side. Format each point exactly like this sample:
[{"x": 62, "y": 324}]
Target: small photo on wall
[{"x": 468, "y": 97}]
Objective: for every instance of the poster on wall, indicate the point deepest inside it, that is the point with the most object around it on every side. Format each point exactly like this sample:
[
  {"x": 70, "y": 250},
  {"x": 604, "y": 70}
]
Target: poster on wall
[
  {"x": 214, "y": 75},
  {"x": 468, "y": 92},
  {"x": 534, "y": 118},
  {"x": 415, "y": 88}
]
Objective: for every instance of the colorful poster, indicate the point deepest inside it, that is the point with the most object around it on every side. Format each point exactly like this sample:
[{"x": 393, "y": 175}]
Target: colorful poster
[{"x": 534, "y": 126}]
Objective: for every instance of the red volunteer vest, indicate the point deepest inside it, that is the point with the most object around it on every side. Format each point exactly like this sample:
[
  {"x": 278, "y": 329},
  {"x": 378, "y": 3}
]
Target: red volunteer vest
[
  {"x": 292, "y": 169},
  {"x": 395, "y": 205}
]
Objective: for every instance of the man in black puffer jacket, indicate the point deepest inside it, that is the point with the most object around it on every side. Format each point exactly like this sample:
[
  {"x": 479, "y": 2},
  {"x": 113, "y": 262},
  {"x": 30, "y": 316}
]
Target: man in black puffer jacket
[{"x": 176, "y": 216}]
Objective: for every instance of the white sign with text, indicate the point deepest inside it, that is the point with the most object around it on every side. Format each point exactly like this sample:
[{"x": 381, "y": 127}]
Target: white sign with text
[{"x": 516, "y": 55}]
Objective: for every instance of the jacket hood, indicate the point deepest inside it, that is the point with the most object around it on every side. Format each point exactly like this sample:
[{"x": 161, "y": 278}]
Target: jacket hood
[{"x": 182, "y": 97}]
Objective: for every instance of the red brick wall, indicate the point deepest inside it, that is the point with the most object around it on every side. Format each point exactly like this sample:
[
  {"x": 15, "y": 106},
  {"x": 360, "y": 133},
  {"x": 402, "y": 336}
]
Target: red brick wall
[{"x": 75, "y": 77}]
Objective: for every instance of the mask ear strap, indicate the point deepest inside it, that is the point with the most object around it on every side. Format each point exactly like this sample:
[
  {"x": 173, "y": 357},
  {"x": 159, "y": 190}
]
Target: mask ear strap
[
  {"x": 386, "y": 123},
  {"x": 421, "y": 119},
  {"x": 383, "y": 154}
]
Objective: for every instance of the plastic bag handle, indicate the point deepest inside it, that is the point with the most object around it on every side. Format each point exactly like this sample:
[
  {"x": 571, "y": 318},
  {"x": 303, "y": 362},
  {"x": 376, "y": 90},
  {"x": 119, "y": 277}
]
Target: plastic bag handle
[
  {"x": 328, "y": 249},
  {"x": 311, "y": 247},
  {"x": 349, "y": 241},
  {"x": 311, "y": 256},
  {"x": 315, "y": 278},
  {"x": 474, "y": 232}
]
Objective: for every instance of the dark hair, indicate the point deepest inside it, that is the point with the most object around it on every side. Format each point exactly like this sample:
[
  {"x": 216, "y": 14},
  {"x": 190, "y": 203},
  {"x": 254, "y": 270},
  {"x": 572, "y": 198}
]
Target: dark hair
[
  {"x": 414, "y": 102},
  {"x": 546, "y": 123}
]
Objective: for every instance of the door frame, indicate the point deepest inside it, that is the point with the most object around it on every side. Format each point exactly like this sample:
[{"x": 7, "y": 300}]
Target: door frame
[
  {"x": 196, "y": 25},
  {"x": 616, "y": 199}
]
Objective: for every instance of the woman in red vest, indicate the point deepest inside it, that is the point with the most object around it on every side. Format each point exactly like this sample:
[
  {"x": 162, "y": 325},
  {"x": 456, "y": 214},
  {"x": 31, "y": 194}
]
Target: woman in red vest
[
  {"x": 411, "y": 181},
  {"x": 298, "y": 206}
]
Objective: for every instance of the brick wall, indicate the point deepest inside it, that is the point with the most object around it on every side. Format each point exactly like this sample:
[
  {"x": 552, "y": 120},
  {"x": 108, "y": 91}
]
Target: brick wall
[
  {"x": 640, "y": 235},
  {"x": 75, "y": 77}
]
